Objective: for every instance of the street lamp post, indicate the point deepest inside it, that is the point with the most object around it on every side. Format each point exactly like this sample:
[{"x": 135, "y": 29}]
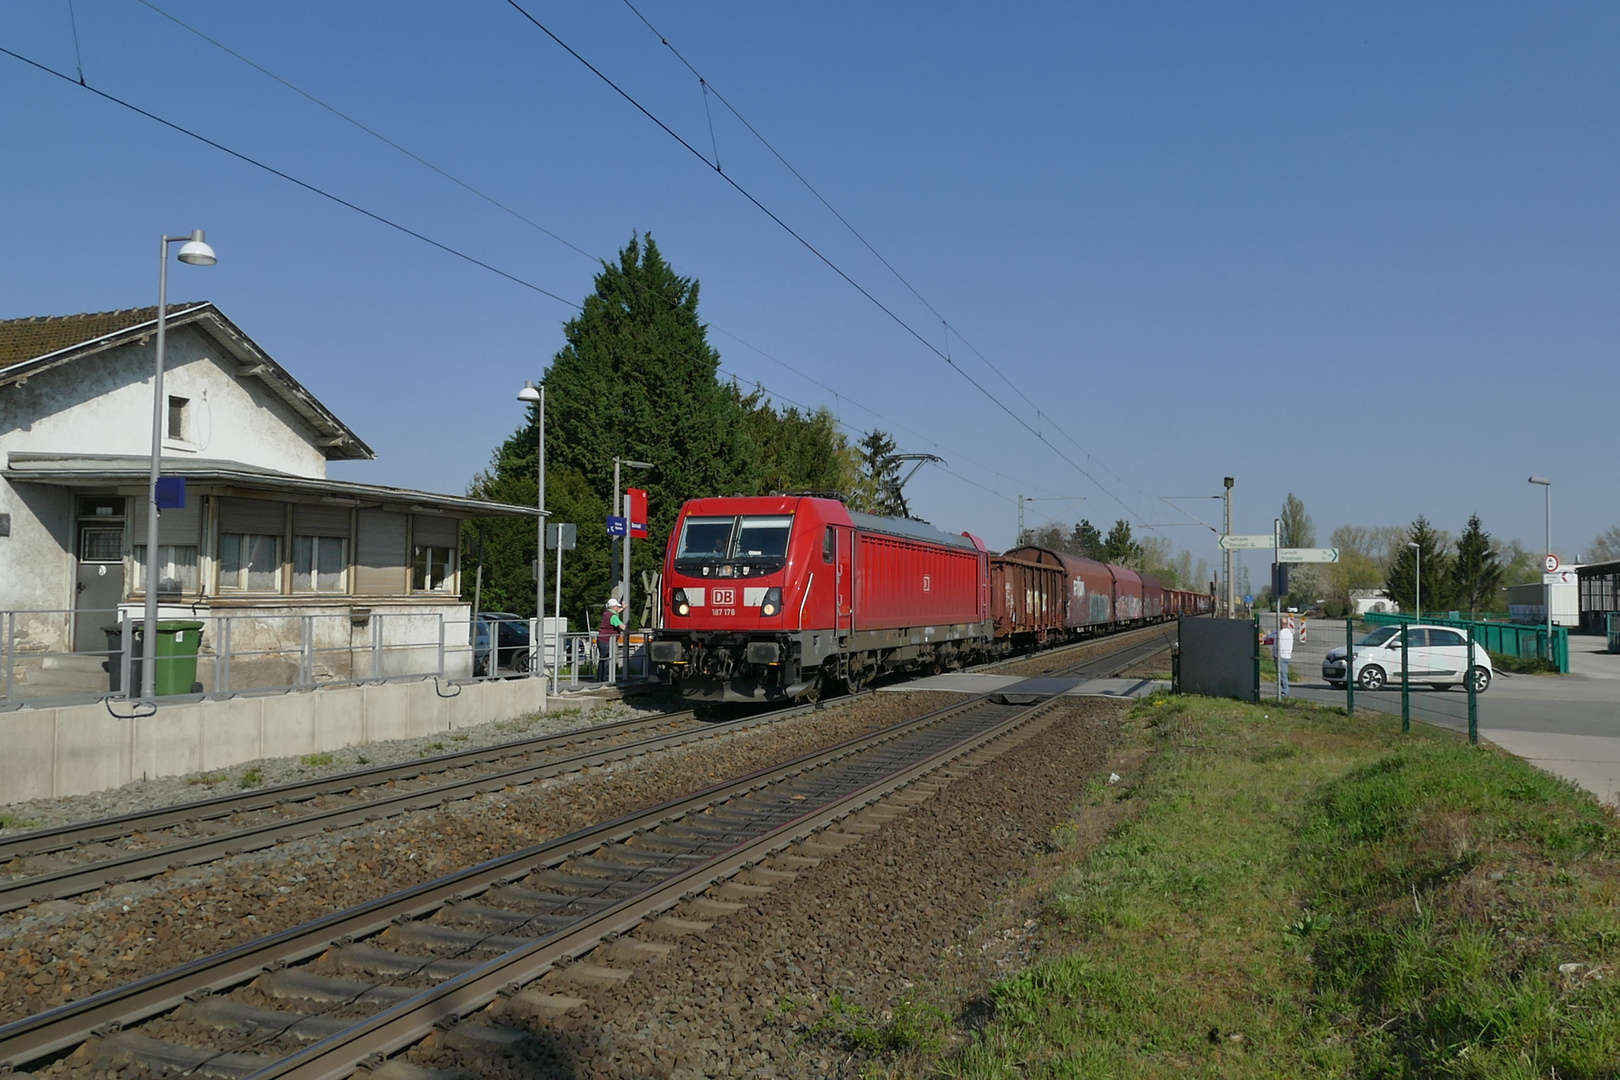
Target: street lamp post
[
  {"x": 195, "y": 252},
  {"x": 623, "y": 499},
  {"x": 1546, "y": 590},
  {"x": 1417, "y": 579},
  {"x": 536, "y": 395}
]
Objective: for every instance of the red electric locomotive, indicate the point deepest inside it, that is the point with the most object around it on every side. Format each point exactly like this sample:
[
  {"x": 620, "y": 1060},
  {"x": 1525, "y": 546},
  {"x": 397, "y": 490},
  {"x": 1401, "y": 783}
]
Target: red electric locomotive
[{"x": 768, "y": 597}]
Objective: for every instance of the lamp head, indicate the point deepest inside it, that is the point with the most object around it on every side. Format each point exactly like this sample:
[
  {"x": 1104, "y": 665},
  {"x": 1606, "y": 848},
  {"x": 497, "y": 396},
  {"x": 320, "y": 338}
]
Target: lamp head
[
  {"x": 1542, "y": 480},
  {"x": 639, "y": 464},
  {"x": 196, "y": 252},
  {"x": 530, "y": 392}
]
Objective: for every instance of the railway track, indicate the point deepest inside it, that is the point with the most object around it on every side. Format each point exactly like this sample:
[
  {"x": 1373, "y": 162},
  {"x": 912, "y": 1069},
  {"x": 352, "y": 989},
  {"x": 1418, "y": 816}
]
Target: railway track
[
  {"x": 71, "y": 860},
  {"x": 320, "y": 999}
]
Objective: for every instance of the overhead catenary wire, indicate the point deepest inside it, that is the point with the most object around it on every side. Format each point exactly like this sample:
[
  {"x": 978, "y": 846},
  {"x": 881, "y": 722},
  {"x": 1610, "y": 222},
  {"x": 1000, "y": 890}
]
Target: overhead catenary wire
[
  {"x": 518, "y": 215},
  {"x": 808, "y": 246},
  {"x": 446, "y": 248},
  {"x": 291, "y": 179},
  {"x": 355, "y": 207},
  {"x": 811, "y": 188}
]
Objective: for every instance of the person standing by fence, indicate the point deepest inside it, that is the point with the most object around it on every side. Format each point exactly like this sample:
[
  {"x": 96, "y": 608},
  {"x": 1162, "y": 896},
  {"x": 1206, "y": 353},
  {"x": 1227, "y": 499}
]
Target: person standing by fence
[
  {"x": 612, "y": 626},
  {"x": 1283, "y": 649}
]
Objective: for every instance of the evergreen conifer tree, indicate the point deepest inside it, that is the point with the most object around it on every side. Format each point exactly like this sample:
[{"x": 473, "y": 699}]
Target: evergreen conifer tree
[
  {"x": 1119, "y": 548},
  {"x": 1476, "y": 572},
  {"x": 636, "y": 379},
  {"x": 1085, "y": 541},
  {"x": 1400, "y": 585}
]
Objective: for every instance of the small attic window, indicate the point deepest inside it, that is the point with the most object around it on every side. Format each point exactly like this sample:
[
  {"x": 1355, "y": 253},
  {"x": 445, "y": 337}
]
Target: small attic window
[{"x": 179, "y": 417}]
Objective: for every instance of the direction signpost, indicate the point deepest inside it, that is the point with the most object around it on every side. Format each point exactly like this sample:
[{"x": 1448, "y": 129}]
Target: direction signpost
[
  {"x": 1231, "y": 542},
  {"x": 1322, "y": 555}
]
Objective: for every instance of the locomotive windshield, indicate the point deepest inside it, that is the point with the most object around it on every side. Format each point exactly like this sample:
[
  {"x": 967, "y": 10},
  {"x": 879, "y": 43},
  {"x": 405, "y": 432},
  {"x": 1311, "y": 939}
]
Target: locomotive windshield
[
  {"x": 734, "y": 546},
  {"x": 706, "y": 538}
]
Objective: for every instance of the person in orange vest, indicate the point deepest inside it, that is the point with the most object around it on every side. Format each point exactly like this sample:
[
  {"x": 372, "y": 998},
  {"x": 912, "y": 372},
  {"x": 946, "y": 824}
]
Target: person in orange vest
[{"x": 612, "y": 626}]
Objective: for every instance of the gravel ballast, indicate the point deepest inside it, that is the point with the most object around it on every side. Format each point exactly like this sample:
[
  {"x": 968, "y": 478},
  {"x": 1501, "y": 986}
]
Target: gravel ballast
[
  {"x": 923, "y": 914},
  {"x": 64, "y": 950}
]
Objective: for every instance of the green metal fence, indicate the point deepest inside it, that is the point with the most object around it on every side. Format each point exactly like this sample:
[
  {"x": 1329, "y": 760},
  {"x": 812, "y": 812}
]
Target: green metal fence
[{"x": 1508, "y": 639}]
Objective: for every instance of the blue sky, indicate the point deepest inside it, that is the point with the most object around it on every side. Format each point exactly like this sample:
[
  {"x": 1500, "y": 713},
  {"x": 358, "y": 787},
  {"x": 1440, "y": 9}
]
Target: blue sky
[{"x": 1362, "y": 254}]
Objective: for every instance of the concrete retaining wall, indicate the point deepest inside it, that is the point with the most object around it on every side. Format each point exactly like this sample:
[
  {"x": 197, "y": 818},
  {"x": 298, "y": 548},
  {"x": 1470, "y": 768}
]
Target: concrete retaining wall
[{"x": 78, "y": 749}]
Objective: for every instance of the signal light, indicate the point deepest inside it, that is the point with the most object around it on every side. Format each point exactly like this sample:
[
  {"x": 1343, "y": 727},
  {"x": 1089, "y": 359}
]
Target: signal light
[
  {"x": 677, "y": 600},
  {"x": 772, "y": 604}
]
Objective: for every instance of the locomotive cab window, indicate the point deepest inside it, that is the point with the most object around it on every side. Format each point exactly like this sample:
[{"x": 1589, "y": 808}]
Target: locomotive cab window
[
  {"x": 706, "y": 538},
  {"x": 763, "y": 537},
  {"x": 829, "y": 544},
  {"x": 744, "y": 546}
]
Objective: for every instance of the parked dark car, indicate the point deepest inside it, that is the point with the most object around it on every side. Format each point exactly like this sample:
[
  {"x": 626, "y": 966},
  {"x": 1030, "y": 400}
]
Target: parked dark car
[{"x": 511, "y": 643}]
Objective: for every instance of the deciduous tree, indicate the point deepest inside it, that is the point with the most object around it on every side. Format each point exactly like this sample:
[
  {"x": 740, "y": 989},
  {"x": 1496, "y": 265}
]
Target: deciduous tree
[{"x": 1606, "y": 547}]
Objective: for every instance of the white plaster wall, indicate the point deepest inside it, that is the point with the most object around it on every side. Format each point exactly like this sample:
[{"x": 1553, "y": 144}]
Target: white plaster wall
[
  {"x": 36, "y": 563},
  {"x": 103, "y": 405}
]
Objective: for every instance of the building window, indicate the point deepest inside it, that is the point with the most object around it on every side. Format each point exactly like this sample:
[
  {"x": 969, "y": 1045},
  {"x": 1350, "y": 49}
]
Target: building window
[
  {"x": 433, "y": 569},
  {"x": 101, "y": 545},
  {"x": 319, "y": 563},
  {"x": 176, "y": 568},
  {"x": 250, "y": 562},
  {"x": 179, "y": 413}
]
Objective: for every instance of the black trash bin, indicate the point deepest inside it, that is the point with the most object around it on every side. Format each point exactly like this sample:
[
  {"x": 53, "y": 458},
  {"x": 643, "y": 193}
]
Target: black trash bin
[{"x": 114, "y": 664}]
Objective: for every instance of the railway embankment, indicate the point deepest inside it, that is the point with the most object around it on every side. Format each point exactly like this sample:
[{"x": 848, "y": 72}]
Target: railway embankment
[{"x": 1288, "y": 891}]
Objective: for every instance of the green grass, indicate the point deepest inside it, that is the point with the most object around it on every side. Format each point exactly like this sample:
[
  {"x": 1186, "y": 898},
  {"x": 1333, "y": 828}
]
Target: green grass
[
  {"x": 9, "y": 821},
  {"x": 316, "y": 759},
  {"x": 1295, "y": 893},
  {"x": 252, "y": 777}
]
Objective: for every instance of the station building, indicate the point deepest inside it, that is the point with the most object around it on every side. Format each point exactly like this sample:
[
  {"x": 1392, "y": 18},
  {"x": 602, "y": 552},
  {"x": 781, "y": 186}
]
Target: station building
[{"x": 263, "y": 532}]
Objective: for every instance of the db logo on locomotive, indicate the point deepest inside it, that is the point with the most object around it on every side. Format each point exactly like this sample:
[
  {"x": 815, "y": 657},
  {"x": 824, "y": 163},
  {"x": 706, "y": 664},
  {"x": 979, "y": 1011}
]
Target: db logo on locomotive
[{"x": 723, "y": 597}]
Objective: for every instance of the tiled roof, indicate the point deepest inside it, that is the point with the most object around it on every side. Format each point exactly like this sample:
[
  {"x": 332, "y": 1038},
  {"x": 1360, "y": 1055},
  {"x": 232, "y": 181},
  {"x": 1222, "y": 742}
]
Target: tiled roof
[{"x": 25, "y": 339}]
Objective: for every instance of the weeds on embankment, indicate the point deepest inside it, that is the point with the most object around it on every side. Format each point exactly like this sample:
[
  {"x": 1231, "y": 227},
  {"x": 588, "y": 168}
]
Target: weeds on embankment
[{"x": 1295, "y": 893}]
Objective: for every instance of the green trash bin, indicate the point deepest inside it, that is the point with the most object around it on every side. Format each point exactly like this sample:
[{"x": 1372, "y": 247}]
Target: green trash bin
[{"x": 176, "y": 657}]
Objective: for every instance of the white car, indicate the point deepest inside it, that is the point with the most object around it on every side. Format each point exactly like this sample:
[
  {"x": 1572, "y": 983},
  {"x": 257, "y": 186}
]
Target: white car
[{"x": 1438, "y": 656}]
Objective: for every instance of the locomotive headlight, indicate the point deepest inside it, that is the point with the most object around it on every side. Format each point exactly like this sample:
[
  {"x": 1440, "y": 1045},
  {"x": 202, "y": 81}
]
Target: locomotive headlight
[
  {"x": 772, "y": 604},
  {"x": 678, "y": 601}
]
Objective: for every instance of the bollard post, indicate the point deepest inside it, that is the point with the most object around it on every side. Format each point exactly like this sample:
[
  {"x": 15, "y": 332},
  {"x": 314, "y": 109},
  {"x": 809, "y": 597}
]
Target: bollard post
[
  {"x": 1257, "y": 636},
  {"x": 1406, "y": 681},
  {"x": 222, "y": 654},
  {"x": 8, "y": 649},
  {"x": 1473, "y": 697},
  {"x": 1349, "y": 667}
]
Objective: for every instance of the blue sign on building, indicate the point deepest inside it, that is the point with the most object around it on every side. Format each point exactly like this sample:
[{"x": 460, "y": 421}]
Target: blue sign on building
[
  {"x": 617, "y": 526},
  {"x": 171, "y": 493}
]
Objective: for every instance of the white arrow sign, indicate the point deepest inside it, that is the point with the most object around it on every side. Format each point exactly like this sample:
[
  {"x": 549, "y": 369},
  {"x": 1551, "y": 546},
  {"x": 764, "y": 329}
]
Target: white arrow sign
[
  {"x": 1232, "y": 542},
  {"x": 1307, "y": 554}
]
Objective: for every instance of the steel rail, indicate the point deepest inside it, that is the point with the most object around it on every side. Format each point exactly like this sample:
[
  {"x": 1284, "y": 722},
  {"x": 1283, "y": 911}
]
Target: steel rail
[
  {"x": 336, "y": 1057},
  {"x": 101, "y": 830},
  {"x": 34, "y": 1038},
  {"x": 21, "y": 891},
  {"x": 196, "y": 851}
]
